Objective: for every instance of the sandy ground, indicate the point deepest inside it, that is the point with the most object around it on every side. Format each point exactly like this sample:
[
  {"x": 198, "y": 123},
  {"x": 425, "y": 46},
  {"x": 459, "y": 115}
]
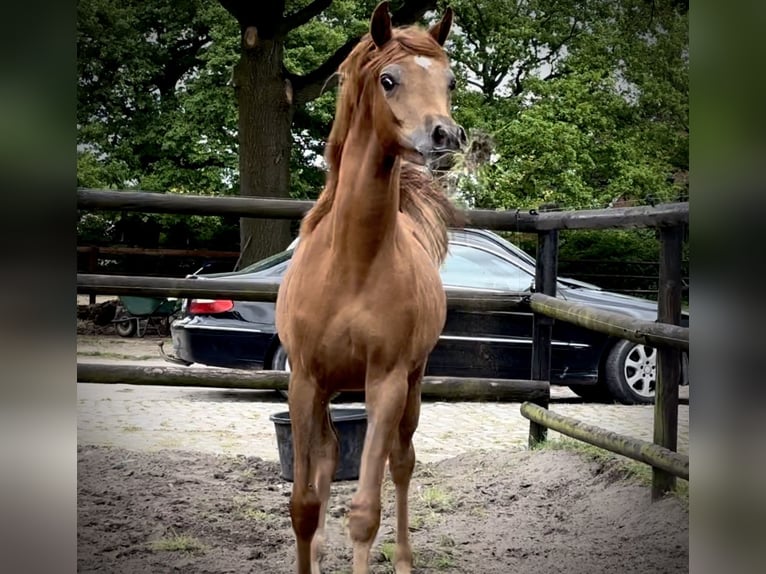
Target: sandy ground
[
  {"x": 513, "y": 511},
  {"x": 490, "y": 512}
]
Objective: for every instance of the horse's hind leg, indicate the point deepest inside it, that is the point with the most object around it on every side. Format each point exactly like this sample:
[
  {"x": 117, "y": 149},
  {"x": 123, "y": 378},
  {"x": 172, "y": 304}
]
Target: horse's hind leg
[
  {"x": 385, "y": 400},
  {"x": 401, "y": 464},
  {"x": 313, "y": 467}
]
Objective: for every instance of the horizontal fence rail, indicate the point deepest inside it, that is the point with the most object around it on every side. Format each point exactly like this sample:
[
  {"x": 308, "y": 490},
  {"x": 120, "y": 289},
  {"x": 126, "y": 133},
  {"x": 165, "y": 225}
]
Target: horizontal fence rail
[
  {"x": 441, "y": 388},
  {"x": 509, "y": 220},
  {"x": 615, "y": 324},
  {"x": 159, "y": 251},
  {"x": 612, "y": 218},
  {"x": 652, "y": 454},
  {"x": 147, "y": 202},
  {"x": 143, "y": 286}
]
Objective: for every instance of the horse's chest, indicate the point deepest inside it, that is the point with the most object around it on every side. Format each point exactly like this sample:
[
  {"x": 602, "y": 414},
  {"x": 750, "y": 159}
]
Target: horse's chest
[
  {"x": 397, "y": 310},
  {"x": 394, "y": 311}
]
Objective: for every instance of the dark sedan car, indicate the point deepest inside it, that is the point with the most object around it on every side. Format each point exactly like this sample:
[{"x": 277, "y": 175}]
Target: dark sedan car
[{"x": 493, "y": 344}]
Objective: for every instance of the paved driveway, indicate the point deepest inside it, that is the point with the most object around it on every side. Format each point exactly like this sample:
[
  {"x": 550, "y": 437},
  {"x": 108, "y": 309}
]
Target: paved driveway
[{"x": 237, "y": 421}]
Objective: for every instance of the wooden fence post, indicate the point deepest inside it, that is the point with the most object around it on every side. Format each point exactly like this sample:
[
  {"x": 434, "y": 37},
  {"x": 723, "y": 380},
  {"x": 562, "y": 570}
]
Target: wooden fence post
[
  {"x": 668, "y": 358},
  {"x": 542, "y": 326}
]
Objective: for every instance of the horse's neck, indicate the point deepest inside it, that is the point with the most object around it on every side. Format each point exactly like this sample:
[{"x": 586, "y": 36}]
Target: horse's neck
[{"x": 367, "y": 199}]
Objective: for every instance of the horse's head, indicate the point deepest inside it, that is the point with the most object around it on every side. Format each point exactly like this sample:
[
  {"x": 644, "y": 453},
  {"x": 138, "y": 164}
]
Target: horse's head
[
  {"x": 407, "y": 75},
  {"x": 416, "y": 83}
]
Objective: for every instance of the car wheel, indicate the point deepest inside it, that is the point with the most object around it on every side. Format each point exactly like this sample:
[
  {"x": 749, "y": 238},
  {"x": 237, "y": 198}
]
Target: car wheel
[
  {"x": 126, "y": 328},
  {"x": 280, "y": 362},
  {"x": 595, "y": 393},
  {"x": 630, "y": 373}
]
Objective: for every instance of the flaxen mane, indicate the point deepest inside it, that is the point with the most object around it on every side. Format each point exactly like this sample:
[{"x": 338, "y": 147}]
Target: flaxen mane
[{"x": 420, "y": 197}]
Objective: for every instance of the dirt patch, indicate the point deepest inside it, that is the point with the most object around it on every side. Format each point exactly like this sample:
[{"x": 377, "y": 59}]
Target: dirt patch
[
  {"x": 134, "y": 349},
  {"x": 96, "y": 319},
  {"x": 508, "y": 511}
]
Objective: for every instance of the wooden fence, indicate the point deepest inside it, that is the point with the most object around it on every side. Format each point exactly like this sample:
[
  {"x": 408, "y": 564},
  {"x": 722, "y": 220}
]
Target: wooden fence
[
  {"x": 522, "y": 221},
  {"x": 96, "y": 252},
  {"x": 616, "y": 276},
  {"x": 442, "y": 388},
  {"x": 666, "y": 334}
]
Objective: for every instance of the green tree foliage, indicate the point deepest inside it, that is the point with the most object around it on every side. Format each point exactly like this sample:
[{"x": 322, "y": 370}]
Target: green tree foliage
[
  {"x": 153, "y": 111},
  {"x": 587, "y": 104},
  {"x": 586, "y": 101}
]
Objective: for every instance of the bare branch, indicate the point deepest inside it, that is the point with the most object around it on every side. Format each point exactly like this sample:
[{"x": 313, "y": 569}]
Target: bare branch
[
  {"x": 480, "y": 16},
  {"x": 560, "y": 73},
  {"x": 475, "y": 84},
  {"x": 234, "y": 8},
  {"x": 302, "y": 16},
  {"x": 572, "y": 33},
  {"x": 183, "y": 57},
  {"x": 265, "y": 16},
  {"x": 518, "y": 85},
  {"x": 309, "y": 86}
]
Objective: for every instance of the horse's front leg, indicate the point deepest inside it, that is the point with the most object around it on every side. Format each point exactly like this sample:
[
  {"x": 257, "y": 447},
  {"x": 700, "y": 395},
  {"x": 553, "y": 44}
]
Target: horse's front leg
[
  {"x": 401, "y": 464},
  {"x": 385, "y": 399},
  {"x": 315, "y": 453},
  {"x": 325, "y": 465}
]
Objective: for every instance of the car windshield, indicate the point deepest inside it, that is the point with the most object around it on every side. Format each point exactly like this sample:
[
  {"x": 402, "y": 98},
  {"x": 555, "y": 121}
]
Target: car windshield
[
  {"x": 265, "y": 264},
  {"x": 472, "y": 267},
  {"x": 493, "y": 263},
  {"x": 492, "y": 242}
]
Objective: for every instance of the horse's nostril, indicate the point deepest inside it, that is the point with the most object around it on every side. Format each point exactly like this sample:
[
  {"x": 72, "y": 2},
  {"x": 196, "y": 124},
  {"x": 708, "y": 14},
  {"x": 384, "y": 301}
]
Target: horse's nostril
[
  {"x": 439, "y": 135},
  {"x": 448, "y": 136}
]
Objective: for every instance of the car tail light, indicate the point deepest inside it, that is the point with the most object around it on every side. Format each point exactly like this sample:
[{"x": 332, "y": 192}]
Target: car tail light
[{"x": 210, "y": 306}]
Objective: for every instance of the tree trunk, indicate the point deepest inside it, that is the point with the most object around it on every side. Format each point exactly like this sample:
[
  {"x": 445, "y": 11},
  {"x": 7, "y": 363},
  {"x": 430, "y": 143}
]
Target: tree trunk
[{"x": 265, "y": 115}]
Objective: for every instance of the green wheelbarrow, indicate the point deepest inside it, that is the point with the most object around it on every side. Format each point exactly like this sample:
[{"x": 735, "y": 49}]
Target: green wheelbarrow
[{"x": 134, "y": 314}]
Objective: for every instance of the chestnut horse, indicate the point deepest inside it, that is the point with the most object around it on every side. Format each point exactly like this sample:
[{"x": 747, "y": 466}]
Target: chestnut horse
[{"x": 362, "y": 304}]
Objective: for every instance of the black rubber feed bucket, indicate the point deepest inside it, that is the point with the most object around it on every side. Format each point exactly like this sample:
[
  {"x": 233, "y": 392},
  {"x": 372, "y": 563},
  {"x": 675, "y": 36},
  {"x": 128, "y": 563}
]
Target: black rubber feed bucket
[{"x": 351, "y": 425}]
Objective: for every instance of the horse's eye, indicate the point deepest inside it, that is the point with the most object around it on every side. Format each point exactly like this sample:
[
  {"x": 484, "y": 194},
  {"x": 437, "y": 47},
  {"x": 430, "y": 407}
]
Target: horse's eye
[
  {"x": 387, "y": 82},
  {"x": 452, "y": 84}
]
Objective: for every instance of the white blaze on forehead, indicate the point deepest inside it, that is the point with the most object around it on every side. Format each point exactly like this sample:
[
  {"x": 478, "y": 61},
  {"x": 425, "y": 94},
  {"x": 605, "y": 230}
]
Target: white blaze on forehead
[{"x": 423, "y": 62}]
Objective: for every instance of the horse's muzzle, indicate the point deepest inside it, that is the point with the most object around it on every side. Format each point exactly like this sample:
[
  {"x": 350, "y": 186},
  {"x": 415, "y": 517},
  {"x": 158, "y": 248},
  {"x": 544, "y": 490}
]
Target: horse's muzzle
[
  {"x": 447, "y": 136},
  {"x": 439, "y": 143}
]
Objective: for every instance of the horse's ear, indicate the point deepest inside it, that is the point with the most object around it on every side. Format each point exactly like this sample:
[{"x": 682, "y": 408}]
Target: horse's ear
[
  {"x": 441, "y": 29},
  {"x": 380, "y": 25}
]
